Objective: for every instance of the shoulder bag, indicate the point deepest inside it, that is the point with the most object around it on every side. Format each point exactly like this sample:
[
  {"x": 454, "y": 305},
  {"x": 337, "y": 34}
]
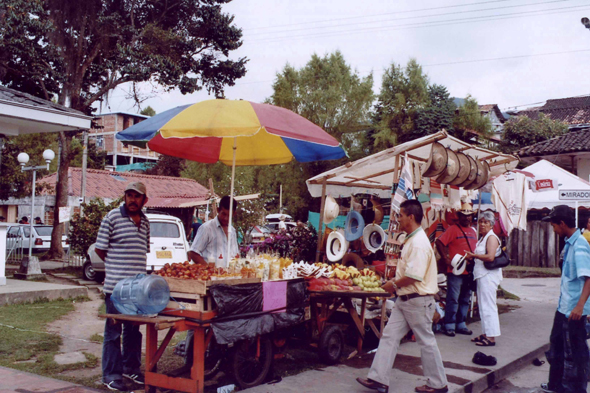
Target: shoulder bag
[{"x": 500, "y": 261}]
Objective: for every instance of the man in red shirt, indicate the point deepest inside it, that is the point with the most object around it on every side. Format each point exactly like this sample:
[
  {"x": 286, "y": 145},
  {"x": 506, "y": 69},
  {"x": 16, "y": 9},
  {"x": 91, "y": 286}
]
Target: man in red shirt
[{"x": 457, "y": 239}]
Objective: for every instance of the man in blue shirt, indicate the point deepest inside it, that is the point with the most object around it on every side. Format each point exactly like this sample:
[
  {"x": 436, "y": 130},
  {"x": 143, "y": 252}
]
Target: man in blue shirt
[{"x": 568, "y": 355}]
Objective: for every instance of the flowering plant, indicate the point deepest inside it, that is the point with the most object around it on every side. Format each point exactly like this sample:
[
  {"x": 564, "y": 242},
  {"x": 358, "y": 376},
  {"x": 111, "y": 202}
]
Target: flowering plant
[{"x": 298, "y": 243}]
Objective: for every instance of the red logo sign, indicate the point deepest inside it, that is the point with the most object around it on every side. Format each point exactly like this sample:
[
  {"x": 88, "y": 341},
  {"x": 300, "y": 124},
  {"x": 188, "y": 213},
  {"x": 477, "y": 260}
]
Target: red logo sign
[{"x": 544, "y": 184}]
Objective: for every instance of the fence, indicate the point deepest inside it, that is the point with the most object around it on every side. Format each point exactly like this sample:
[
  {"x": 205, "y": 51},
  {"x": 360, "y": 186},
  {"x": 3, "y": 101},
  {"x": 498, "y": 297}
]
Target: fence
[
  {"x": 14, "y": 250},
  {"x": 538, "y": 246}
]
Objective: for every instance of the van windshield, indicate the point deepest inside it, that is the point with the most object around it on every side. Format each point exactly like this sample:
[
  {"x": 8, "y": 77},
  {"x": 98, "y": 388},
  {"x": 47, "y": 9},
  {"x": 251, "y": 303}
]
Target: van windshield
[{"x": 164, "y": 229}]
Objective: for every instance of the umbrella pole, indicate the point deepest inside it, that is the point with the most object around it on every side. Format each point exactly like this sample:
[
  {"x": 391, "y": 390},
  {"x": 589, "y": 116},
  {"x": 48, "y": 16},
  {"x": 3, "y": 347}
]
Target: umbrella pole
[{"x": 231, "y": 203}]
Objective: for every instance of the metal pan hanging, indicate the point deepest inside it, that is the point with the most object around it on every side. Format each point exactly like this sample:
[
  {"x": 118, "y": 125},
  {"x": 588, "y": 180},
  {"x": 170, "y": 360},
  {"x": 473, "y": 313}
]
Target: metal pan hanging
[
  {"x": 464, "y": 170},
  {"x": 452, "y": 169},
  {"x": 472, "y": 173},
  {"x": 437, "y": 162}
]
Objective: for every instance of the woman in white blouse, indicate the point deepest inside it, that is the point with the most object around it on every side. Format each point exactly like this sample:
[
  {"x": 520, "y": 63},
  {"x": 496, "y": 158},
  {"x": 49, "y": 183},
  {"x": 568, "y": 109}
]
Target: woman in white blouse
[{"x": 487, "y": 249}]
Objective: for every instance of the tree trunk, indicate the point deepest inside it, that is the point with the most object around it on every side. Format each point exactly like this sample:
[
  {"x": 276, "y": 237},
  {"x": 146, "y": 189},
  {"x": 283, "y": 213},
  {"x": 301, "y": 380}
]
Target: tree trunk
[{"x": 61, "y": 198}]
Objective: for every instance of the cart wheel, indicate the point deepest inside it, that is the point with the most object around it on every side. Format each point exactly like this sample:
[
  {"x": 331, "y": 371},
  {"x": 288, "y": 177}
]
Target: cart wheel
[
  {"x": 213, "y": 358},
  {"x": 248, "y": 368},
  {"x": 331, "y": 344}
]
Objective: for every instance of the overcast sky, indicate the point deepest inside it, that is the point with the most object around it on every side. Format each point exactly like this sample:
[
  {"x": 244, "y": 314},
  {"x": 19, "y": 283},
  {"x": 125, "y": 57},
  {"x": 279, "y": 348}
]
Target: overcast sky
[{"x": 505, "y": 52}]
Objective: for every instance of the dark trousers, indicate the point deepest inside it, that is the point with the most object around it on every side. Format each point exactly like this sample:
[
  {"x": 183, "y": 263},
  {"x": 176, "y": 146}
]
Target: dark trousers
[
  {"x": 568, "y": 355},
  {"x": 458, "y": 296},
  {"x": 114, "y": 362}
]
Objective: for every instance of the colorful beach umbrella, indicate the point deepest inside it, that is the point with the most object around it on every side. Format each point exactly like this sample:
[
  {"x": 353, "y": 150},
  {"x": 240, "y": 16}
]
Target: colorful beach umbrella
[{"x": 236, "y": 133}]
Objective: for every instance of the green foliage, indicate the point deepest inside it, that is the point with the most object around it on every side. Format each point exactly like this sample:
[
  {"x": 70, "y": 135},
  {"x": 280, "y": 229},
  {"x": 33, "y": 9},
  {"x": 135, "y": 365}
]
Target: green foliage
[
  {"x": 148, "y": 111},
  {"x": 522, "y": 131},
  {"x": 437, "y": 115},
  {"x": 167, "y": 166},
  {"x": 327, "y": 92},
  {"x": 83, "y": 230},
  {"x": 469, "y": 117},
  {"x": 404, "y": 94},
  {"x": 14, "y": 182},
  {"x": 299, "y": 244},
  {"x": 96, "y": 159}
]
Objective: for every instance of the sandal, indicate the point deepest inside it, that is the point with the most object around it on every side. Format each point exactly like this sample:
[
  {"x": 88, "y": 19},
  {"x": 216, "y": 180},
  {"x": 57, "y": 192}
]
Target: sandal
[
  {"x": 478, "y": 338},
  {"x": 485, "y": 342}
]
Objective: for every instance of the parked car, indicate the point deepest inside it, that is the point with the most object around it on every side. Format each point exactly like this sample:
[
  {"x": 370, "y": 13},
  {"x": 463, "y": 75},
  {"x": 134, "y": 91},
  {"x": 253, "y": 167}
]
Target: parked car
[
  {"x": 18, "y": 234},
  {"x": 257, "y": 234},
  {"x": 273, "y": 220},
  {"x": 274, "y": 226},
  {"x": 168, "y": 244}
]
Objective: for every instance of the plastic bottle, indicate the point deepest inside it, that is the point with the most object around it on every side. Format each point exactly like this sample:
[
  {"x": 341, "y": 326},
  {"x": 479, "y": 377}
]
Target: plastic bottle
[{"x": 140, "y": 295}]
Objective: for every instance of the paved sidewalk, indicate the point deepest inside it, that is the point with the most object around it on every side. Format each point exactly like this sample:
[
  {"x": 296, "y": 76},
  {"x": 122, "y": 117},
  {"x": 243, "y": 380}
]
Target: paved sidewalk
[
  {"x": 22, "y": 291},
  {"x": 525, "y": 335},
  {"x": 23, "y": 382}
]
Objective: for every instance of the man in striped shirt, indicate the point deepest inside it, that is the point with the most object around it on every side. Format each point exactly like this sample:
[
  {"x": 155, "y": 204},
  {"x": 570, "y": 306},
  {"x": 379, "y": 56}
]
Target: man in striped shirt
[{"x": 123, "y": 242}]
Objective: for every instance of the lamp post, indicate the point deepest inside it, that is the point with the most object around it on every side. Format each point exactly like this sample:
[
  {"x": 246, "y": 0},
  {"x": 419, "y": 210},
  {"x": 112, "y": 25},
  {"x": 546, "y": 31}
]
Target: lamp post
[
  {"x": 23, "y": 158},
  {"x": 586, "y": 22}
]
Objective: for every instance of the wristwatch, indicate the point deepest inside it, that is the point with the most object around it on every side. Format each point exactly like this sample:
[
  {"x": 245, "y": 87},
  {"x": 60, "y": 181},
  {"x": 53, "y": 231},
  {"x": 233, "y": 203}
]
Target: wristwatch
[{"x": 395, "y": 287}]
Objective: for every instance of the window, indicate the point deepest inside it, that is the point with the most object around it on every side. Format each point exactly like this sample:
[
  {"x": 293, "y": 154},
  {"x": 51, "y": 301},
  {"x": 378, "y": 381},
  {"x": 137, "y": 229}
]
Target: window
[
  {"x": 13, "y": 232},
  {"x": 100, "y": 141},
  {"x": 164, "y": 229},
  {"x": 44, "y": 230}
]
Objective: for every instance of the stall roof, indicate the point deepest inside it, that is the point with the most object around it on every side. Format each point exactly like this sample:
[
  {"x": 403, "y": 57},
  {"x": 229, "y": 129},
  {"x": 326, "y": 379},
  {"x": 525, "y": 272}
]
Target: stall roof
[{"x": 374, "y": 174}]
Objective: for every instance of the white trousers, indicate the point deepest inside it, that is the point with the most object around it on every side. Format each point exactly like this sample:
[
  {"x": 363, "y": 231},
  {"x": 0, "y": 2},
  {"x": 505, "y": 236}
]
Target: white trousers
[
  {"x": 416, "y": 315},
  {"x": 487, "y": 287}
]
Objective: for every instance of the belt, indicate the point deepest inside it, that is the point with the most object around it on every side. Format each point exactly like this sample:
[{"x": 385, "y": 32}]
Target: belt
[{"x": 411, "y": 296}]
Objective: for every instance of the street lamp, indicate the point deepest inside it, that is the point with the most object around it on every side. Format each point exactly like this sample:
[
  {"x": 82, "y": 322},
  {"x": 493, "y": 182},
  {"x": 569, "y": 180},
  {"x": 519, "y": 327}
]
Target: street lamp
[
  {"x": 586, "y": 22},
  {"x": 23, "y": 158}
]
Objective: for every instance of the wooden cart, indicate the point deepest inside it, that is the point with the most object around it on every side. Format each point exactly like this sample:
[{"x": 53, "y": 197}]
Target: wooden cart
[{"x": 323, "y": 305}]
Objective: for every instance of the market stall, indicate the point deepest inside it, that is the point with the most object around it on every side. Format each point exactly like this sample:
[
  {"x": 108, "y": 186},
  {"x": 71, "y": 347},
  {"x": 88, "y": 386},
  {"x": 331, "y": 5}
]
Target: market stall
[{"x": 440, "y": 167}]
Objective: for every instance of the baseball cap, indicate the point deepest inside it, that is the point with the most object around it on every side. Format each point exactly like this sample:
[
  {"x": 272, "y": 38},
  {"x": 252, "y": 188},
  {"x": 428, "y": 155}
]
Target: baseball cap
[
  {"x": 559, "y": 211},
  {"x": 136, "y": 186}
]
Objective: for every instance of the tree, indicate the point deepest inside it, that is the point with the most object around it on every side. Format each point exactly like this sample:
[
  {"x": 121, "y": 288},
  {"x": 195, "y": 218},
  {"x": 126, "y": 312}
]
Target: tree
[
  {"x": 522, "y": 131},
  {"x": 167, "y": 166},
  {"x": 77, "y": 52},
  {"x": 469, "y": 118},
  {"x": 439, "y": 114},
  {"x": 328, "y": 93},
  {"x": 148, "y": 111},
  {"x": 404, "y": 93},
  {"x": 83, "y": 230}
]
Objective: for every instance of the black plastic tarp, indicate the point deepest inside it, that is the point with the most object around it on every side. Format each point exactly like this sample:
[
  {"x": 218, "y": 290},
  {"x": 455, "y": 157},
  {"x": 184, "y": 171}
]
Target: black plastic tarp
[{"x": 240, "y": 315}]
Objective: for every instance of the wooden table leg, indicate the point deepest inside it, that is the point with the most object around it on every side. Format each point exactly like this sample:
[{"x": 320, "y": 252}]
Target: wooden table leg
[
  {"x": 359, "y": 343},
  {"x": 151, "y": 346},
  {"x": 198, "y": 369}
]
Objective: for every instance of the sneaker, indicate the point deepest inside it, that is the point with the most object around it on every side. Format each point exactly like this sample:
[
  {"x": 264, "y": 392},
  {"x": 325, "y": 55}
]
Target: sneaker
[
  {"x": 450, "y": 333},
  {"x": 545, "y": 388},
  {"x": 116, "y": 386},
  {"x": 137, "y": 378}
]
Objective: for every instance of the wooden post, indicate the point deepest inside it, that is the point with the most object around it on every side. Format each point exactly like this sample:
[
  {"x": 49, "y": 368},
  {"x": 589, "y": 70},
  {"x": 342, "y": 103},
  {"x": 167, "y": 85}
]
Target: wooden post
[{"x": 320, "y": 229}]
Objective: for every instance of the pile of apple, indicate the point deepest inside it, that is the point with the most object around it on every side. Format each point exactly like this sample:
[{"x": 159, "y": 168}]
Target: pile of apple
[
  {"x": 186, "y": 271},
  {"x": 368, "y": 283}
]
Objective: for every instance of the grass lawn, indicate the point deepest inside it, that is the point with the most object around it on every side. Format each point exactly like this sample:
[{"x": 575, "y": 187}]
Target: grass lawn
[
  {"x": 529, "y": 272},
  {"x": 24, "y": 343}
]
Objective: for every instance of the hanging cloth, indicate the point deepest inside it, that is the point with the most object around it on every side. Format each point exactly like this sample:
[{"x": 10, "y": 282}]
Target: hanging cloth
[{"x": 509, "y": 198}]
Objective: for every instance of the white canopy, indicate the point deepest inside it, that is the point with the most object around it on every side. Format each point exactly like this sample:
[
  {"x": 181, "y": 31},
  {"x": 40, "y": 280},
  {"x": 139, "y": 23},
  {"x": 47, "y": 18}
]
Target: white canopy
[
  {"x": 374, "y": 174},
  {"x": 566, "y": 181}
]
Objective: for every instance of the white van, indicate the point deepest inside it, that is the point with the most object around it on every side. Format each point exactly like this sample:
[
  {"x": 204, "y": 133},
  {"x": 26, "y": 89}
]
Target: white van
[{"x": 168, "y": 244}]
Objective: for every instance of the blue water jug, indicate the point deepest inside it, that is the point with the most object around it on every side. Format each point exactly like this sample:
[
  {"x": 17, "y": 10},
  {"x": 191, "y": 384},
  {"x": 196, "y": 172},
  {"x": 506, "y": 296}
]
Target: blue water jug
[{"x": 142, "y": 294}]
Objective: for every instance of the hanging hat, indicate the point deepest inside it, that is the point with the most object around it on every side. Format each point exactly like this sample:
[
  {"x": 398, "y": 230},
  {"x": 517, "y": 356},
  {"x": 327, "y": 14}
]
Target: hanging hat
[
  {"x": 437, "y": 162},
  {"x": 483, "y": 171},
  {"x": 379, "y": 213},
  {"x": 466, "y": 209},
  {"x": 452, "y": 169},
  {"x": 353, "y": 228},
  {"x": 472, "y": 173},
  {"x": 336, "y": 246},
  {"x": 459, "y": 263},
  {"x": 373, "y": 237},
  {"x": 331, "y": 209},
  {"x": 464, "y": 169}
]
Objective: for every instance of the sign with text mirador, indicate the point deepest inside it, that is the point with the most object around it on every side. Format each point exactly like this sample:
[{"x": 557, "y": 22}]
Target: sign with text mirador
[{"x": 574, "y": 195}]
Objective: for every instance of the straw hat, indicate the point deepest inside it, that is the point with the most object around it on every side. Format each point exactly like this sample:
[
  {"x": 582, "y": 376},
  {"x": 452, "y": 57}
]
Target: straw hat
[
  {"x": 464, "y": 169},
  {"x": 459, "y": 263},
  {"x": 472, "y": 173},
  {"x": 483, "y": 173},
  {"x": 373, "y": 237},
  {"x": 452, "y": 169},
  {"x": 437, "y": 161},
  {"x": 466, "y": 209},
  {"x": 379, "y": 213},
  {"x": 337, "y": 246},
  {"x": 353, "y": 228},
  {"x": 331, "y": 209}
]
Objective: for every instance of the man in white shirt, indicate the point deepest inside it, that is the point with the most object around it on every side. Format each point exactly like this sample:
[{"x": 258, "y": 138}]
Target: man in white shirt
[{"x": 210, "y": 244}]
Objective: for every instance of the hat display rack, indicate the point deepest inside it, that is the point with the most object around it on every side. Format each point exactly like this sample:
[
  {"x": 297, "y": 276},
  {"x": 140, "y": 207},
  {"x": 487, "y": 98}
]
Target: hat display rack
[{"x": 436, "y": 158}]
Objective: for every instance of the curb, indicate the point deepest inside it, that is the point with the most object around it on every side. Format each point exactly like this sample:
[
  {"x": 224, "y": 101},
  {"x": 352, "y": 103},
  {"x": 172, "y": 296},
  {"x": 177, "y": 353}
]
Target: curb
[{"x": 495, "y": 376}]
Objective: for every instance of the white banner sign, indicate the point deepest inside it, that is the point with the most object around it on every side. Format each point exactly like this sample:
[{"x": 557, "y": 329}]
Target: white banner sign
[
  {"x": 64, "y": 214},
  {"x": 574, "y": 195}
]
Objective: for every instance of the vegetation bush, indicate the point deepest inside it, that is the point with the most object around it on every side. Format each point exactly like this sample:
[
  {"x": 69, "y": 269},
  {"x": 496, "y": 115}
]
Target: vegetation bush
[{"x": 83, "y": 230}]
